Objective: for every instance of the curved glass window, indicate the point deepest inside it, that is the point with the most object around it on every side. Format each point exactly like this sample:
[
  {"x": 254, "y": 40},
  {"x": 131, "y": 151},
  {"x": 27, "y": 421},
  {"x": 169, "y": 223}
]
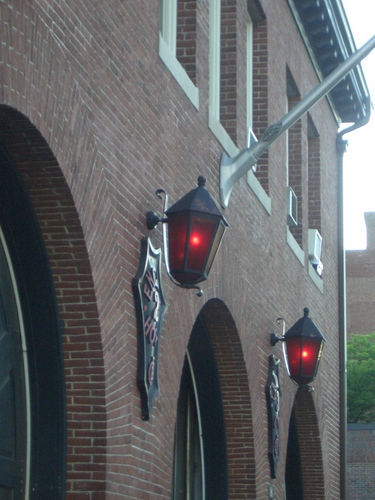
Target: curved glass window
[
  {"x": 14, "y": 406},
  {"x": 188, "y": 451}
]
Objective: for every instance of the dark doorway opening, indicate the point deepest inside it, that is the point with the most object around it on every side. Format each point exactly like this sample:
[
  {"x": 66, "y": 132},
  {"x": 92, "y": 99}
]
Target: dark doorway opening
[{"x": 293, "y": 470}]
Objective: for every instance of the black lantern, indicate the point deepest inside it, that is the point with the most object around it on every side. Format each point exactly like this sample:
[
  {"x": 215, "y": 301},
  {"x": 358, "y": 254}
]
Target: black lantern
[
  {"x": 303, "y": 345},
  {"x": 195, "y": 230}
]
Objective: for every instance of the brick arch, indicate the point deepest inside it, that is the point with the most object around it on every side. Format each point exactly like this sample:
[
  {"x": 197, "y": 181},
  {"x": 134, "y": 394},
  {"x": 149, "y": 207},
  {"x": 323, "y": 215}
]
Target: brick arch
[
  {"x": 236, "y": 398},
  {"x": 309, "y": 445},
  {"x": 71, "y": 273}
]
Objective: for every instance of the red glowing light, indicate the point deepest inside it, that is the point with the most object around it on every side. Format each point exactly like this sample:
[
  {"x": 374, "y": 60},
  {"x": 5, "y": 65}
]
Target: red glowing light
[
  {"x": 195, "y": 239},
  {"x": 305, "y": 354}
]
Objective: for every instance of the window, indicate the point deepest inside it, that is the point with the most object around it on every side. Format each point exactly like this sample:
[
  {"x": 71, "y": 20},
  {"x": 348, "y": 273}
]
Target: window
[
  {"x": 249, "y": 73},
  {"x": 255, "y": 88},
  {"x": 313, "y": 156},
  {"x": 257, "y": 97},
  {"x": 188, "y": 474},
  {"x": 186, "y": 43},
  {"x": 294, "y": 168},
  {"x": 294, "y": 165},
  {"x": 222, "y": 73},
  {"x": 14, "y": 404},
  {"x": 177, "y": 43},
  {"x": 200, "y": 468},
  {"x": 314, "y": 200}
]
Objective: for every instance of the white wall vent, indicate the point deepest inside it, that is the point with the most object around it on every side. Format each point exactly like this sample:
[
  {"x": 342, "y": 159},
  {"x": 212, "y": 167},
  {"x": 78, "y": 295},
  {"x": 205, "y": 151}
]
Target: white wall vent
[
  {"x": 315, "y": 250},
  {"x": 314, "y": 245},
  {"x": 291, "y": 207},
  {"x": 251, "y": 140}
]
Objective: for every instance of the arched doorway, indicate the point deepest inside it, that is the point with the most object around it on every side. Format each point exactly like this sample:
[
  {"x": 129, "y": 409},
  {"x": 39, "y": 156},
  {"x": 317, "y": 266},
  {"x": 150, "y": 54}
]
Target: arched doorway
[
  {"x": 304, "y": 475},
  {"x": 200, "y": 465},
  {"x": 48, "y": 252},
  {"x": 33, "y": 404},
  {"x": 215, "y": 375},
  {"x": 293, "y": 471}
]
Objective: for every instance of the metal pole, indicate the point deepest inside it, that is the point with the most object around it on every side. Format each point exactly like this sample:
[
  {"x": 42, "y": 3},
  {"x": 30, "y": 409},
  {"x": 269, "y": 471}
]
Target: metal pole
[{"x": 232, "y": 169}]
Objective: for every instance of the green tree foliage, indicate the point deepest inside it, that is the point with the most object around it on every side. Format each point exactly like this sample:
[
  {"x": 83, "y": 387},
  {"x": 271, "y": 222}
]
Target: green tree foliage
[{"x": 361, "y": 378}]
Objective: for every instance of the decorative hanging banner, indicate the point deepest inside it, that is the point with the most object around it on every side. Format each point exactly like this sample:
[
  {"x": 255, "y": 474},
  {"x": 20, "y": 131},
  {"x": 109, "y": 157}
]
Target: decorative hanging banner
[
  {"x": 273, "y": 396},
  {"x": 150, "y": 309}
]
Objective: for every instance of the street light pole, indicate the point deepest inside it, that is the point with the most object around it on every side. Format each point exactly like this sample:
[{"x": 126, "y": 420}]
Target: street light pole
[{"x": 232, "y": 169}]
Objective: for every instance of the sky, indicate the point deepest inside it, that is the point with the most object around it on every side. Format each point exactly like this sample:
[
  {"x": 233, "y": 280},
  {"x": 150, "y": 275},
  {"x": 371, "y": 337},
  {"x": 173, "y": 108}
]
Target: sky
[{"x": 359, "y": 160}]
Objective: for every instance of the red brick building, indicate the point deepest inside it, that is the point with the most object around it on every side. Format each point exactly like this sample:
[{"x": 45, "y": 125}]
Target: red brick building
[{"x": 101, "y": 104}]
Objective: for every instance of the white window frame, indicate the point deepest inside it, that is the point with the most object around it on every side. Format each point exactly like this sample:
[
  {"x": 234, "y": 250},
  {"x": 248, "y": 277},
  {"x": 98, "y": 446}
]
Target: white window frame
[{"x": 167, "y": 50}]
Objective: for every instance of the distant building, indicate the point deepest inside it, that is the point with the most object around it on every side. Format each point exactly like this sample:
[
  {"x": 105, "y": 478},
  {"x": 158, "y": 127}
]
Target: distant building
[
  {"x": 360, "y": 293},
  {"x": 360, "y": 283},
  {"x": 361, "y": 461}
]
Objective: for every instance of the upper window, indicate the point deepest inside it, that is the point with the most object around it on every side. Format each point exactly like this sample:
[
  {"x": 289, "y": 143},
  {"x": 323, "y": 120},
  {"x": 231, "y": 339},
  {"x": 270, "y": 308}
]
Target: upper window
[
  {"x": 223, "y": 73},
  {"x": 257, "y": 178},
  {"x": 314, "y": 192},
  {"x": 249, "y": 72},
  {"x": 186, "y": 43},
  {"x": 294, "y": 166},
  {"x": 177, "y": 43},
  {"x": 315, "y": 241}
]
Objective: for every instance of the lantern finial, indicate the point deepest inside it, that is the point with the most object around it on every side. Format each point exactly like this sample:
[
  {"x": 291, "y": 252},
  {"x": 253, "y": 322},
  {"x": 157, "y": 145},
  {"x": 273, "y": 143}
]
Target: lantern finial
[{"x": 201, "y": 181}]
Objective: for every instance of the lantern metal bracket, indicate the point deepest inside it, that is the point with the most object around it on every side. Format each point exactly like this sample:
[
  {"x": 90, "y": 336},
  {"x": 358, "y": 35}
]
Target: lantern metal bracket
[
  {"x": 275, "y": 338},
  {"x": 152, "y": 220}
]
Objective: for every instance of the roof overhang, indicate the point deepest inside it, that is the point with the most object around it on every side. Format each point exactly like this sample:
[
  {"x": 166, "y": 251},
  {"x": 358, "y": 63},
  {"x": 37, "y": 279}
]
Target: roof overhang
[{"x": 329, "y": 41}]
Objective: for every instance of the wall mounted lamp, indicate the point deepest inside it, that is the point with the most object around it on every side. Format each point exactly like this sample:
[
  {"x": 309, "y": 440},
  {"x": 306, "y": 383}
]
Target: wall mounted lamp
[
  {"x": 302, "y": 345},
  {"x": 195, "y": 230}
]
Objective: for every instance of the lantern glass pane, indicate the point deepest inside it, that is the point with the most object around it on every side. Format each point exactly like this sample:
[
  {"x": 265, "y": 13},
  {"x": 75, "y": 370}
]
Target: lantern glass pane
[
  {"x": 215, "y": 246},
  {"x": 303, "y": 356},
  {"x": 202, "y": 230},
  {"x": 177, "y": 229}
]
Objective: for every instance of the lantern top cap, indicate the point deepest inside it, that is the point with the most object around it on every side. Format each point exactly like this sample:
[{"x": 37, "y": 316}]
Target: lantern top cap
[
  {"x": 304, "y": 327},
  {"x": 197, "y": 200}
]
